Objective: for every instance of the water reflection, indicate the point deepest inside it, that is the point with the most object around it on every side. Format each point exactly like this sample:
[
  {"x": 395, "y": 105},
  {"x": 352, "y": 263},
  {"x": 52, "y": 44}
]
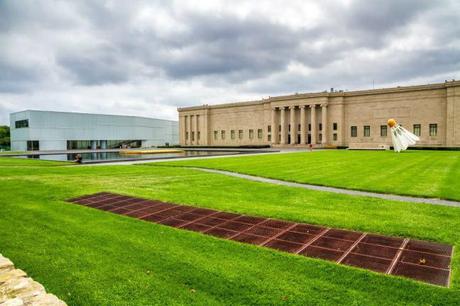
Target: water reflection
[{"x": 105, "y": 156}]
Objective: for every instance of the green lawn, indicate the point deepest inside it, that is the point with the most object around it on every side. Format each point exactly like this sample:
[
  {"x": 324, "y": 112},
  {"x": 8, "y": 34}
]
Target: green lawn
[
  {"x": 419, "y": 173},
  {"x": 91, "y": 257},
  {"x": 10, "y": 152}
]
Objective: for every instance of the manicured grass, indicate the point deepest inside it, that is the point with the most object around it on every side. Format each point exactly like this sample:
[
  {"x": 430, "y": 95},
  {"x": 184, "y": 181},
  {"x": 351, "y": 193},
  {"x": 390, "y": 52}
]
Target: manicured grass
[
  {"x": 419, "y": 173},
  {"x": 27, "y": 163},
  {"x": 91, "y": 257},
  {"x": 10, "y": 152}
]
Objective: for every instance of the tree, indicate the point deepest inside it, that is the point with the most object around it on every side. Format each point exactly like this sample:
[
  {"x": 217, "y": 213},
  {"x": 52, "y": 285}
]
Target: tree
[{"x": 4, "y": 137}]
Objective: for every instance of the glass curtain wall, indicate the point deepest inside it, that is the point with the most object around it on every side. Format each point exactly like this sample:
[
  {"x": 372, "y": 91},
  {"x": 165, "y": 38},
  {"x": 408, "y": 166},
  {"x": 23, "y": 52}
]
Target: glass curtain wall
[{"x": 111, "y": 144}]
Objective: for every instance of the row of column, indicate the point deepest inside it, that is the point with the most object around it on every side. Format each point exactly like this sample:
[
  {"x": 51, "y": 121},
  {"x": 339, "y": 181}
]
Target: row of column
[
  {"x": 281, "y": 121},
  {"x": 191, "y": 129}
]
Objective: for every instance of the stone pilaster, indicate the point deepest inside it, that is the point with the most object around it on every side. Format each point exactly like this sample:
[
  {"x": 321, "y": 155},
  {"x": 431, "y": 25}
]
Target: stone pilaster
[
  {"x": 197, "y": 129},
  {"x": 274, "y": 127},
  {"x": 190, "y": 129},
  {"x": 452, "y": 112},
  {"x": 324, "y": 123},
  {"x": 182, "y": 130}
]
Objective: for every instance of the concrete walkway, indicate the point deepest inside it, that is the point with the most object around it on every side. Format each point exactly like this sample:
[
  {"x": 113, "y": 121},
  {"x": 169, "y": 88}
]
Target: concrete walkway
[
  {"x": 169, "y": 159},
  {"x": 384, "y": 196}
]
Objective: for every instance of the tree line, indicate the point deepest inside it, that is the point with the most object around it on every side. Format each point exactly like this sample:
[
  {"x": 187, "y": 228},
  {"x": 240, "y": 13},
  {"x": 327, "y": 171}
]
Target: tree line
[{"x": 4, "y": 137}]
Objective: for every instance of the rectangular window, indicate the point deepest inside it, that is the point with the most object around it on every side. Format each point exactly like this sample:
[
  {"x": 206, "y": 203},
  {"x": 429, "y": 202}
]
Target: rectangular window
[
  {"x": 298, "y": 127},
  {"x": 232, "y": 134},
  {"x": 251, "y": 134},
  {"x": 33, "y": 145},
  {"x": 334, "y": 126},
  {"x": 354, "y": 131},
  {"x": 216, "y": 133},
  {"x": 383, "y": 130},
  {"x": 417, "y": 129},
  {"x": 269, "y": 129},
  {"x": 433, "y": 129},
  {"x": 193, "y": 136},
  {"x": 320, "y": 127},
  {"x": 320, "y": 137},
  {"x": 259, "y": 133},
  {"x": 240, "y": 134},
  {"x": 269, "y": 137},
  {"x": 186, "y": 135},
  {"x": 21, "y": 124},
  {"x": 198, "y": 135},
  {"x": 279, "y": 128},
  {"x": 309, "y": 127},
  {"x": 289, "y": 127},
  {"x": 222, "y": 134},
  {"x": 367, "y": 131},
  {"x": 334, "y": 136}
]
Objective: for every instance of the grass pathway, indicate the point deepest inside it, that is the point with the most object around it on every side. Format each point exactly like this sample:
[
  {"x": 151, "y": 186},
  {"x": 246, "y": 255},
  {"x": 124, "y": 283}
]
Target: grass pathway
[
  {"x": 433, "y": 174},
  {"x": 385, "y": 196}
]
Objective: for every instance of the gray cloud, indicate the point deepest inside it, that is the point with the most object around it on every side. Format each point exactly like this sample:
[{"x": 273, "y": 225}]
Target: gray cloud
[{"x": 68, "y": 55}]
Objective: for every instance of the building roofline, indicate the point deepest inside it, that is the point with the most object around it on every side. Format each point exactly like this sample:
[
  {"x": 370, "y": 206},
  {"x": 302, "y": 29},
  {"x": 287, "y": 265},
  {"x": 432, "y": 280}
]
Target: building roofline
[
  {"x": 329, "y": 94},
  {"x": 91, "y": 114}
]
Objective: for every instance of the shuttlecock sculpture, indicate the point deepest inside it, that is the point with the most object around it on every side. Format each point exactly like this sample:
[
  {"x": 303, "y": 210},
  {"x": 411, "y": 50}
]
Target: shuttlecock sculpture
[{"x": 401, "y": 137}]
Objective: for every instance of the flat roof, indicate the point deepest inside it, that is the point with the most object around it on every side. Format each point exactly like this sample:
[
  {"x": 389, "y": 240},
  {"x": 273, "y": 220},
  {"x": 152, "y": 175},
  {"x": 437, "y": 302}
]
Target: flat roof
[
  {"x": 89, "y": 114},
  {"x": 339, "y": 93}
]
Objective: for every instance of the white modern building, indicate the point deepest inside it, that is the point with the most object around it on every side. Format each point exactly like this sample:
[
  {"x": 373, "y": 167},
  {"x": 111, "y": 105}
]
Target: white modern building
[{"x": 48, "y": 130}]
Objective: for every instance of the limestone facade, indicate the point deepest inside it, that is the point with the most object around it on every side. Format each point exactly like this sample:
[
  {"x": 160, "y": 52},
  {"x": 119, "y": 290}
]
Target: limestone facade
[{"x": 350, "y": 119}]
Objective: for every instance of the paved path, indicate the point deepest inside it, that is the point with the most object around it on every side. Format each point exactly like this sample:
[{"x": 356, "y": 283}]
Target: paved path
[
  {"x": 393, "y": 197},
  {"x": 162, "y": 160}
]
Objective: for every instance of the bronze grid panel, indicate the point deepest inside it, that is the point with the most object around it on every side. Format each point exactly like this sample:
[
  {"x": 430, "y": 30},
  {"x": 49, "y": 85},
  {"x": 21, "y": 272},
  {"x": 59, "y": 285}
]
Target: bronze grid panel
[{"x": 421, "y": 260}]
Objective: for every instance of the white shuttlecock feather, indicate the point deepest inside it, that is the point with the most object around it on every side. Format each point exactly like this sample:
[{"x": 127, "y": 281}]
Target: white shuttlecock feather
[{"x": 401, "y": 137}]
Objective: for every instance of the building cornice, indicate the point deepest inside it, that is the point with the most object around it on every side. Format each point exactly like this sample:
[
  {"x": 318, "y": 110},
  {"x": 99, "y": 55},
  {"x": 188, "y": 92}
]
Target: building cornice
[{"x": 398, "y": 89}]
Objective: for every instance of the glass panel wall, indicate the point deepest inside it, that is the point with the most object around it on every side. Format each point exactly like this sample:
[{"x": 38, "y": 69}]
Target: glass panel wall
[
  {"x": 33, "y": 145},
  {"x": 111, "y": 144},
  {"x": 21, "y": 124}
]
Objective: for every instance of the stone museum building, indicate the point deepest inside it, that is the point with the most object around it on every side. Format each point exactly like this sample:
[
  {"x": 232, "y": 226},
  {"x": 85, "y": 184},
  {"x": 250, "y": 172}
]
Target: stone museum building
[{"x": 355, "y": 119}]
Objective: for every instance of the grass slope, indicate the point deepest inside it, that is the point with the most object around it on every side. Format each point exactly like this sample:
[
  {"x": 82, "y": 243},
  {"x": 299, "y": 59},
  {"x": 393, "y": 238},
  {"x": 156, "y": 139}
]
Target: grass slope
[
  {"x": 419, "y": 173},
  {"x": 91, "y": 257}
]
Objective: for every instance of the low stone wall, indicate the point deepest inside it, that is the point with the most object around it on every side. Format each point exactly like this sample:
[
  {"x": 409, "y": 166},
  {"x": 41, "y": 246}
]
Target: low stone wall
[{"x": 17, "y": 289}]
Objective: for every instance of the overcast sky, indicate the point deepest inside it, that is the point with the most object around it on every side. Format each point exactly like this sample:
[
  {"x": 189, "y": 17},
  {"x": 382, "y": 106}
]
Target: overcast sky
[{"x": 149, "y": 57}]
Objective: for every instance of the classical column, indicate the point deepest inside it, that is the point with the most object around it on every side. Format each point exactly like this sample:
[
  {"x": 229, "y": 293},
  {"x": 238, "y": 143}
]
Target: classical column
[
  {"x": 313, "y": 124},
  {"x": 324, "y": 123},
  {"x": 205, "y": 134},
  {"x": 303, "y": 121},
  {"x": 293, "y": 125},
  {"x": 283, "y": 125},
  {"x": 197, "y": 129},
  {"x": 274, "y": 127},
  {"x": 183, "y": 128}
]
